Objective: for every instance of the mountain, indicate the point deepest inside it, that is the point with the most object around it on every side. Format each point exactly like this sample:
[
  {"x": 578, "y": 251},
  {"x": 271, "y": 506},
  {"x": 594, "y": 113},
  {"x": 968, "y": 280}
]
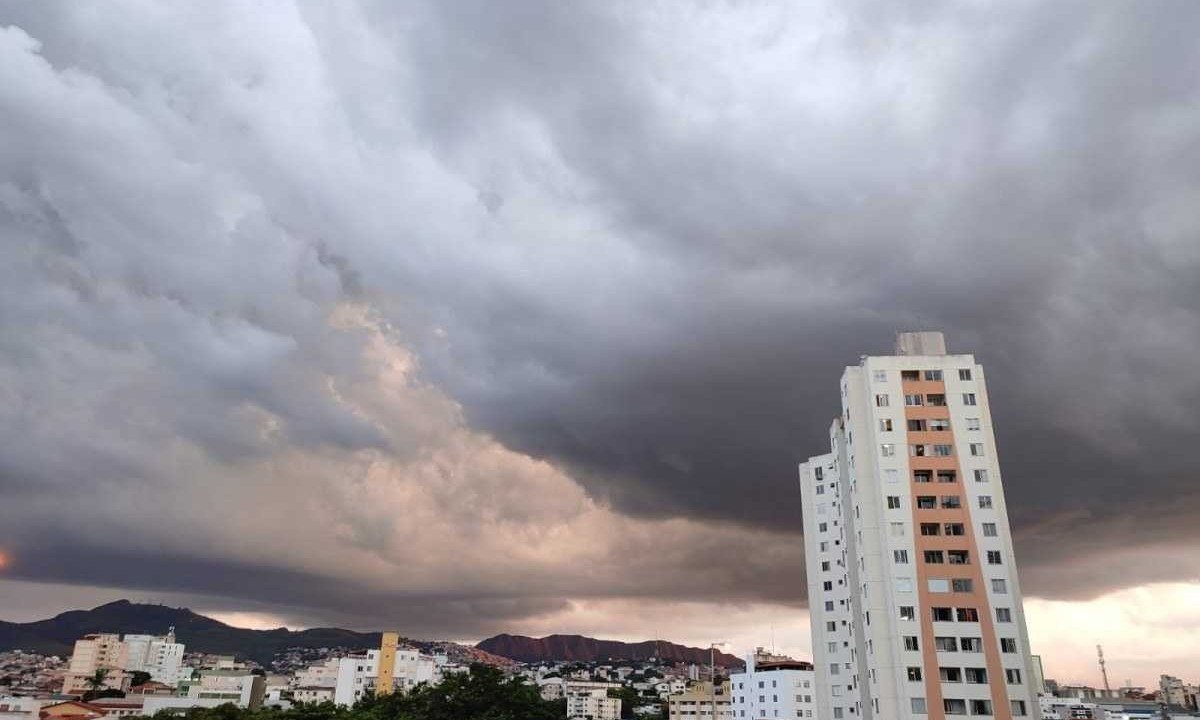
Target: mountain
[
  {"x": 57, "y": 635},
  {"x": 579, "y": 647}
]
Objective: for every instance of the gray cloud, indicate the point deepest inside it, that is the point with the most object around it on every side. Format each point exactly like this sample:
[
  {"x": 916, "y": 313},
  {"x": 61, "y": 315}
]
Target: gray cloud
[{"x": 460, "y": 298}]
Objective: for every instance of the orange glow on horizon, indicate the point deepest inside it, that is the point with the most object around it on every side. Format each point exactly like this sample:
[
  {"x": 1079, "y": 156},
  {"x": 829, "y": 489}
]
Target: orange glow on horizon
[{"x": 3, "y": 560}]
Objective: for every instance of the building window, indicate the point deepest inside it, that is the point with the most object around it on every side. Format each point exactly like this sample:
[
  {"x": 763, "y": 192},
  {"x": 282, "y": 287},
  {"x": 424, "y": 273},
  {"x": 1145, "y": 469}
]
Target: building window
[
  {"x": 881, "y": 400},
  {"x": 939, "y": 585},
  {"x": 879, "y": 376},
  {"x": 907, "y": 612},
  {"x": 828, "y": 586},
  {"x": 885, "y": 424},
  {"x": 981, "y": 707},
  {"x": 985, "y": 502},
  {"x": 1008, "y": 645},
  {"x": 993, "y": 557},
  {"x": 950, "y": 674},
  {"x": 1018, "y": 708},
  {"x": 828, "y": 606},
  {"x": 1013, "y": 676},
  {"x": 981, "y": 476},
  {"x": 914, "y": 674},
  {"x": 964, "y": 374},
  {"x": 931, "y": 529},
  {"x": 933, "y": 375},
  {"x": 913, "y": 400},
  {"x": 917, "y": 426},
  {"x": 910, "y": 374},
  {"x": 971, "y": 644},
  {"x": 896, "y": 529},
  {"x": 916, "y": 450},
  {"x": 887, "y": 449},
  {"x": 922, "y": 476},
  {"x": 918, "y": 705},
  {"x": 945, "y": 644},
  {"x": 891, "y": 475},
  {"x": 999, "y": 586},
  {"x": 954, "y": 706},
  {"x": 951, "y": 502},
  {"x": 947, "y": 476},
  {"x": 989, "y": 529},
  {"x": 976, "y": 449},
  {"x": 935, "y": 399},
  {"x": 943, "y": 450},
  {"x": 823, "y": 527},
  {"x": 968, "y": 398},
  {"x": 934, "y": 557},
  {"x": 962, "y": 585},
  {"x": 955, "y": 529},
  {"x": 1003, "y": 615},
  {"x": 942, "y": 614},
  {"x": 958, "y": 557},
  {"x": 973, "y": 423},
  {"x": 900, "y": 556},
  {"x": 966, "y": 615},
  {"x": 911, "y": 644},
  {"x": 926, "y": 502},
  {"x": 893, "y": 502},
  {"x": 831, "y": 626},
  {"x": 904, "y": 585},
  {"x": 939, "y": 425}
]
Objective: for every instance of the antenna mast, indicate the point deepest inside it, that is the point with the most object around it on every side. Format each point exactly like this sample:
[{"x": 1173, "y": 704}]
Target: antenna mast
[{"x": 1103, "y": 671}]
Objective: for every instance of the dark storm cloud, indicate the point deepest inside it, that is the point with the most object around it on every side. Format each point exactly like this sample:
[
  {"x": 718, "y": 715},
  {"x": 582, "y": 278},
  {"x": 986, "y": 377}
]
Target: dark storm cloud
[{"x": 277, "y": 278}]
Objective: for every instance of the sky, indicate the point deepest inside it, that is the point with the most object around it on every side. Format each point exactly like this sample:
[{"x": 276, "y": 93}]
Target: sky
[{"x": 464, "y": 318}]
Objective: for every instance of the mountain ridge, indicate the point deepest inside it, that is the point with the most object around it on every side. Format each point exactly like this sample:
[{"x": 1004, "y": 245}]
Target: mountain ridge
[
  {"x": 57, "y": 635},
  {"x": 583, "y": 648}
]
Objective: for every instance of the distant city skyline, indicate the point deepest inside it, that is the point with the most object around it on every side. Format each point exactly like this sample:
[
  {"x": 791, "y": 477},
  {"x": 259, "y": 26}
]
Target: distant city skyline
[{"x": 477, "y": 320}]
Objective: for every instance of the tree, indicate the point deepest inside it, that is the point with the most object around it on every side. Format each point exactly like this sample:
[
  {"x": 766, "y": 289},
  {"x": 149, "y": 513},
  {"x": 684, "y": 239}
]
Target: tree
[
  {"x": 629, "y": 699},
  {"x": 138, "y": 677},
  {"x": 96, "y": 680},
  {"x": 482, "y": 693}
]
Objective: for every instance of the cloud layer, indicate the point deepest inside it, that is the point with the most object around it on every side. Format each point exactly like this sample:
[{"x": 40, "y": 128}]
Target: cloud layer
[{"x": 482, "y": 316}]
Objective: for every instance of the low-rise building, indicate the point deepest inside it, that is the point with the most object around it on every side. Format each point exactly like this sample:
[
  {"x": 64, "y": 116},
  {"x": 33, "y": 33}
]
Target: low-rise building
[
  {"x": 701, "y": 701},
  {"x": 774, "y": 686}
]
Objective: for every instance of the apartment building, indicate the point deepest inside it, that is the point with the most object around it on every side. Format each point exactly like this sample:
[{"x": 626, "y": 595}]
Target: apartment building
[
  {"x": 96, "y": 651},
  {"x": 701, "y": 701},
  {"x": 773, "y": 687},
  {"x": 590, "y": 700},
  {"x": 913, "y": 590}
]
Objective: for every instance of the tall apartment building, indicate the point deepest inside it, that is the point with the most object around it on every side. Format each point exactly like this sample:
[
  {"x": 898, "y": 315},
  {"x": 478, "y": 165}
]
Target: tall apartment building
[{"x": 913, "y": 590}]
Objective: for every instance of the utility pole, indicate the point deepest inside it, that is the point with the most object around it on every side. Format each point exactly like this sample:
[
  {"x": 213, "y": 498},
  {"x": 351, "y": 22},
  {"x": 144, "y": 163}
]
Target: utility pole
[{"x": 1103, "y": 670}]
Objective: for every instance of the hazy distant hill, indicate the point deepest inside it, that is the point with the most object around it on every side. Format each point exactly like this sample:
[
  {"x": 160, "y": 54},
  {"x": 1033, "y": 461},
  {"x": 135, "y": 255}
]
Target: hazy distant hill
[
  {"x": 199, "y": 633},
  {"x": 579, "y": 647}
]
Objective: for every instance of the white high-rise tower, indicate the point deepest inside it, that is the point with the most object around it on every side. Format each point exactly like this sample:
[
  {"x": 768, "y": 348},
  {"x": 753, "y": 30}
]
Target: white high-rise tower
[{"x": 913, "y": 590}]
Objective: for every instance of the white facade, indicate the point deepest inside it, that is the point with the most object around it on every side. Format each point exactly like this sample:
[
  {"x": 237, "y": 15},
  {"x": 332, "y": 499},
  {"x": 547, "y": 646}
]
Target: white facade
[
  {"x": 915, "y": 600},
  {"x": 701, "y": 701},
  {"x": 158, "y": 655},
  {"x": 320, "y": 675},
  {"x": 590, "y": 701},
  {"x": 20, "y": 708},
  {"x": 782, "y": 689},
  {"x": 357, "y": 675}
]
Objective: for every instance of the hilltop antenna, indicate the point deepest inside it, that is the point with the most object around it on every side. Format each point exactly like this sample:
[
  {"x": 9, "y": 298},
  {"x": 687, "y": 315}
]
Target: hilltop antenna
[{"x": 1103, "y": 670}]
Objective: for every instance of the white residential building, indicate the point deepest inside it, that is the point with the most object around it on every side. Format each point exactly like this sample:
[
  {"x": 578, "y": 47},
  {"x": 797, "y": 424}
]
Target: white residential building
[
  {"x": 590, "y": 701},
  {"x": 158, "y": 655},
  {"x": 773, "y": 688},
  {"x": 913, "y": 591},
  {"x": 357, "y": 675}
]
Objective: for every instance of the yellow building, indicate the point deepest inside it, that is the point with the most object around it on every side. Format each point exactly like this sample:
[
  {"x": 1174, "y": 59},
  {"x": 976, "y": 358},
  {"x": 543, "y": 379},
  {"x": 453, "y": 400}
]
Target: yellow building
[{"x": 387, "y": 663}]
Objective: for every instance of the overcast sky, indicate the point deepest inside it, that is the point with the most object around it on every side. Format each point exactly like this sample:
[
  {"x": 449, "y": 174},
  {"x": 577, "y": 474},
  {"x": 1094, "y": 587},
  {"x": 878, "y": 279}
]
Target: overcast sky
[{"x": 466, "y": 317}]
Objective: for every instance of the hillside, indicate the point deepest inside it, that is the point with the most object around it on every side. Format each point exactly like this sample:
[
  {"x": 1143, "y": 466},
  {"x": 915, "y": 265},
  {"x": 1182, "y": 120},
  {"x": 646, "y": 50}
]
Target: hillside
[
  {"x": 579, "y": 647},
  {"x": 57, "y": 635}
]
